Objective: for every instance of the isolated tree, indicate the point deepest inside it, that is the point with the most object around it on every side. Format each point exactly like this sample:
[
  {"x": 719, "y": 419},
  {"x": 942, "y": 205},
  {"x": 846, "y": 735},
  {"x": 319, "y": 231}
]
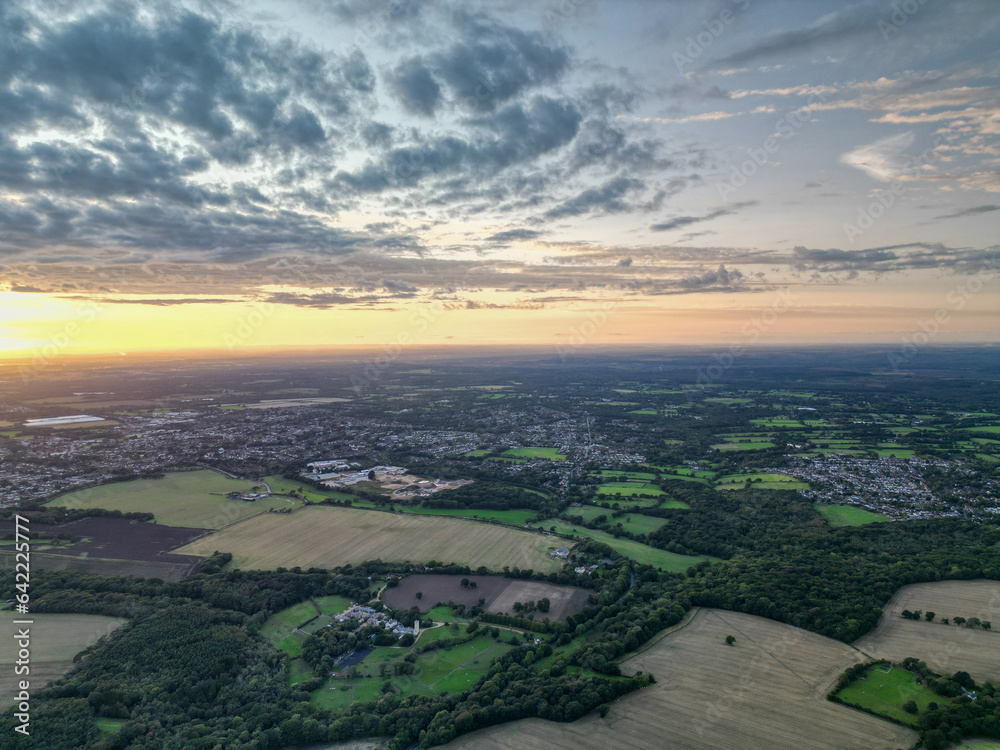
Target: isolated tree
[
  {"x": 419, "y": 595},
  {"x": 603, "y": 710},
  {"x": 730, "y": 640},
  {"x": 958, "y": 620},
  {"x": 929, "y": 616},
  {"x": 910, "y": 707},
  {"x": 371, "y": 475}
]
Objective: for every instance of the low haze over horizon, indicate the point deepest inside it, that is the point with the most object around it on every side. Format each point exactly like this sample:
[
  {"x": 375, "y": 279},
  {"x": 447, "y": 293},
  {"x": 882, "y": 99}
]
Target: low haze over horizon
[{"x": 338, "y": 173}]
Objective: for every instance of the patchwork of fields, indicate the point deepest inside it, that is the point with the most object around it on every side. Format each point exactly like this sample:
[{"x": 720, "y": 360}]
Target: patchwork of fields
[
  {"x": 326, "y": 537},
  {"x": 766, "y": 692},
  {"x": 946, "y": 648}
]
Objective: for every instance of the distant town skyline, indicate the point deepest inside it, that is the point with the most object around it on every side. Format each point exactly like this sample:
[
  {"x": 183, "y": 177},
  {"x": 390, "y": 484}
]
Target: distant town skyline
[{"x": 334, "y": 173}]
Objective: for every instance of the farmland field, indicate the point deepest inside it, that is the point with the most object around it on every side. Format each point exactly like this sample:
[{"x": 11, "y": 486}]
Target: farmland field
[
  {"x": 847, "y": 515},
  {"x": 499, "y": 593},
  {"x": 885, "y": 692},
  {"x": 641, "y": 553},
  {"x": 766, "y": 692},
  {"x": 765, "y": 481},
  {"x": 194, "y": 499},
  {"x": 549, "y": 454},
  {"x": 946, "y": 648},
  {"x": 55, "y": 640},
  {"x": 325, "y": 537}
]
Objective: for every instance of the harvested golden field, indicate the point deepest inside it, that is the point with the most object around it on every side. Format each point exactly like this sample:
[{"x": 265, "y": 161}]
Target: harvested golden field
[
  {"x": 325, "y": 537},
  {"x": 55, "y": 640},
  {"x": 766, "y": 692},
  {"x": 946, "y": 648}
]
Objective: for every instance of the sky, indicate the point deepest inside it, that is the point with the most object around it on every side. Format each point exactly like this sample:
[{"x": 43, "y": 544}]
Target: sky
[{"x": 387, "y": 173}]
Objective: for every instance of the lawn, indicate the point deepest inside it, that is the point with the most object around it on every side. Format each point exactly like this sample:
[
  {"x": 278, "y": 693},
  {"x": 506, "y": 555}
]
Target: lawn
[
  {"x": 885, "y": 693},
  {"x": 278, "y": 628},
  {"x": 550, "y": 454},
  {"x": 331, "y": 605},
  {"x": 194, "y": 499},
  {"x": 110, "y": 726},
  {"x": 848, "y": 515}
]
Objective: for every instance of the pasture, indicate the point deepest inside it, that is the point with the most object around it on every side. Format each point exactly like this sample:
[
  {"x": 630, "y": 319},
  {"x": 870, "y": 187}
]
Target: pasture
[
  {"x": 641, "y": 553},
  {"x": 847, "y": 515},
  {"x": 192, "y": 499},
  {"x": 451, "y": 670},
  {"x": 767, "y": 692},
  {"x": 326, "y": 537},
  {"x": 885, "y": 691},
  {"x": 55, "y": 640},
  {"x": 946, "y": 648},
  {"x": 629, "y": 489},
  {"x": 549, "y": 454},
  {"x": 761, "y": 481}
]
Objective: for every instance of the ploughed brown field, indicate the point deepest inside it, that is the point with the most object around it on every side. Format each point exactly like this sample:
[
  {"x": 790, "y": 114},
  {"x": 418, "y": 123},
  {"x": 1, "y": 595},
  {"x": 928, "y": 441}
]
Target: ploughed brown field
[
  {"x": 500, "y": 594},
  {"x": 766, "y": 692},
  {"x": 946, "y": 648},
  {"x": 111, "y": 546}
]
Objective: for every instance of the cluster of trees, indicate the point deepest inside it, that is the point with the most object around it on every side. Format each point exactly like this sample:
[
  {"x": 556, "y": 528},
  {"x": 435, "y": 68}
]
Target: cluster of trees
[
  {"x": 972, "y": 622},
  {"x": 488, "y": 495}
]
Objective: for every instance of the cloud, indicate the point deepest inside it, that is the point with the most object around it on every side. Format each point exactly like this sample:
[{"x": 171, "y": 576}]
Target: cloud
[
  {"x": 415, "y": 86},
  {"x": 974, "y": 211},
  {"x": 515, "y": 235},
  {"x": 683, "y": 221},
  {"x": 609, "y": 198},
  {"x": 881, "y": 160}
]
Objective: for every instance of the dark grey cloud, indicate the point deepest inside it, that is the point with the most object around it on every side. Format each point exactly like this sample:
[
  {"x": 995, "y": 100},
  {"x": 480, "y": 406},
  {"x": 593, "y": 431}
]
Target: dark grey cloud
[
  {"x": 683, "y": 221},
  {"x": 415, "y": 87},
  {"x": 515, "y": 235},
  {"x": 609, "y": 198},
  {"x": 974, "y": 211}
]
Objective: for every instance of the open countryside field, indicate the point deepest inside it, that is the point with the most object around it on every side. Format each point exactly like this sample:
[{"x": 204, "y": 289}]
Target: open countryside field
[
  {"x": 884, "y": 690},
  {"x": 325, "y": 537},
  {"x": 194, "y": 499},
  {"x": 848, "y": 515},
  {"x": 549, "y": 454},
  {"x": 767, "y": 692},
  {"x": 946, "y": 648},
  {"x": 55, "y": 640},
  {"x": 641, "y": 553},
  {"x": 500, "y": 594},
  {"x": 765, "y": 481}
]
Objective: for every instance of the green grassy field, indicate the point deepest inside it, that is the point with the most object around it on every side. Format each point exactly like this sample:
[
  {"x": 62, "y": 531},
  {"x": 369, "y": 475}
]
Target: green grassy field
[
  {"x": 284, "y": 486},
  {"x": 194, "y": 499},
  {"x": 331, "y": 605},
  {"x": 637, "y": 524},
  {"x": 885, "y": 693},
  {"x": 641, "y": 553},
  {"x": 476, "y": 453},
  {"x": 109, "y": 725},
  {"x": 743, "y": 446},
  {"x": 848, "y": 515},
  {"x": 629, "y": 489},
  {"x": 767, "y": 482},
  {"x": 450, "y": 670},
  {"x": 549, "y": 454},
  {"x": 515, "y": 517},
  {"x": 279, "y": 627}
]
